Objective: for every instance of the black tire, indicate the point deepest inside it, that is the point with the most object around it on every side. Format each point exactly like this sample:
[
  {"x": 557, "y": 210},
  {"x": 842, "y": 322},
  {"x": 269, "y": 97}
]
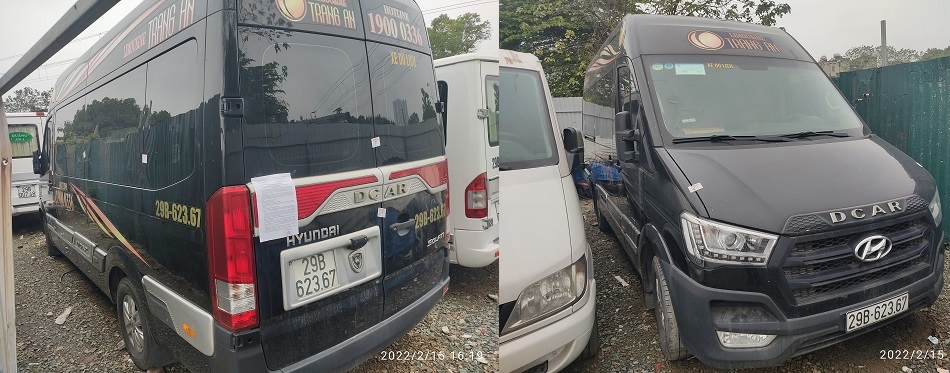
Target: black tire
[
  {"x": 602, "y": 223},
  {"x": 670, "y": 341},
  {"x": 51, "y": 249},
  {"x": 131, "y": 311},
  {"x": 593, "y": 344}
]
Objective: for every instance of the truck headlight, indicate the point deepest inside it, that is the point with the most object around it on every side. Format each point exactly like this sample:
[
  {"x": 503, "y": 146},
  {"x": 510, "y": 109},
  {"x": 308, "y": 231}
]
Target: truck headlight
[
  {"x": 935, "y": 208},
  {"x": 708, "y": 241},
  {"x": 549, "y": 295}
]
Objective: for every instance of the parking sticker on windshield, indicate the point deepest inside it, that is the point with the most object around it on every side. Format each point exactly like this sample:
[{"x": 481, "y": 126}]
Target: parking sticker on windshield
[
  {"x": 690, "y": 69},
  {"x": 695, "y": 187}
]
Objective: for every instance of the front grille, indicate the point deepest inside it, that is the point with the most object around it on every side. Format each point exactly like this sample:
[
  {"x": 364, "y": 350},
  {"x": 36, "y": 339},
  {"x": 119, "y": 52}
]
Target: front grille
[{"x": 827, "y": 266}]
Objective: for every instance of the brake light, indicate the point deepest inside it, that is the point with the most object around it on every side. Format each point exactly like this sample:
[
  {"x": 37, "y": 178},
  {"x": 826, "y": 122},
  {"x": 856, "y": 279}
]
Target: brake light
[
  {"x": 231, "y": 258},
  {"x": 476, "y": 197}
]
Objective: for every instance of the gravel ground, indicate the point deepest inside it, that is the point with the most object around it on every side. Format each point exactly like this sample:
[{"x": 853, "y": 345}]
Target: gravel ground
[
  {"x": 464, "y": 322},
  {"x": 629, "y": 336}
]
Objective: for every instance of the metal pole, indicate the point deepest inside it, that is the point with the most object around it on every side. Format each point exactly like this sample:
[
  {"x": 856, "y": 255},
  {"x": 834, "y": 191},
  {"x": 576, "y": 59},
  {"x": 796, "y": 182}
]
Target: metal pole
[
  {"x": 883, "y": 43},
  {"x": 75, "y": 21},
  {"x": 7, "y": 305}
]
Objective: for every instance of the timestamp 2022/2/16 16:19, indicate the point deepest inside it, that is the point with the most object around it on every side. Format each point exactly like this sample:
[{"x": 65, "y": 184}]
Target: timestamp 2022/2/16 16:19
[{"x": 430, "y": 355}]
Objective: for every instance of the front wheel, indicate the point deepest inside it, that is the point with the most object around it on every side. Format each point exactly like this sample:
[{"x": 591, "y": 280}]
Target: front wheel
[
  {"x": 602, "y": 223},
  {"x": 670, "y": 342},
  {"x": 593, "y": 344},
  {"x": 134, "y": 328}
]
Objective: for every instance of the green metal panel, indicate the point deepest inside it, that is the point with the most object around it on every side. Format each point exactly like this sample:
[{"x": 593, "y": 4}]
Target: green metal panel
[{"x": 909, "y": 106}]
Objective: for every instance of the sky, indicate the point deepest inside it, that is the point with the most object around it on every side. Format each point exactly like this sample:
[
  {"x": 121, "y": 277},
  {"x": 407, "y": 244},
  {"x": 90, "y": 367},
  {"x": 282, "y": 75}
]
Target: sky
[
  {"x": 23, "y": 24},
  {"x": 826, "y": 27}
]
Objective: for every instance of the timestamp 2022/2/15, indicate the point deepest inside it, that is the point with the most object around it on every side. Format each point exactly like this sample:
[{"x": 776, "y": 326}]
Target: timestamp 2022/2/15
[
  {"x": 430, "y": 355},
  {"x": 912, "y": 354}
]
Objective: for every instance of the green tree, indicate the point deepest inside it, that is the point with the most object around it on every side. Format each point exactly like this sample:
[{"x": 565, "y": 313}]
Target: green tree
[
  {"x": 450, "y": 37},
  {"x": 933, "y": 53},
  {"x": 566, "y": 34},
  {"x": 868, "y": 57},
  {"x": 27, "y": 99}
]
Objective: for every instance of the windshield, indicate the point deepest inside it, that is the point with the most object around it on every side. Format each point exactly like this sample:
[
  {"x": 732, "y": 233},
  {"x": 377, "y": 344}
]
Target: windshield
[
  {"x": 745, "y": 96},
  {"x": 525, "y": 134}
]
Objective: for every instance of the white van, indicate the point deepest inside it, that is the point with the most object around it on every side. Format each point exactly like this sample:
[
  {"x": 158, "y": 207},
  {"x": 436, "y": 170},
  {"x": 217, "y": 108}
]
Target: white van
[
  {"x": 26, "y": 135},
  {"x": 472, "y": 148},
  {"x": 546, "y": 284}
]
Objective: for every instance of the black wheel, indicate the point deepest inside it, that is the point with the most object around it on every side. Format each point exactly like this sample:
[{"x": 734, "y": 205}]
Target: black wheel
[
  {"x": 51, "y": 249},
  {"x": 593, "y": 344},
  {"x": 602, "y": 224},
  {"x": 134, "y": 327},
  {"x": 670, "y": 342}
]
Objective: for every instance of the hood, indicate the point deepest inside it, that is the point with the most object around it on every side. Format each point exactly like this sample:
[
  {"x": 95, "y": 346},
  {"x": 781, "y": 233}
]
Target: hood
[
  {"x": 761, "y": 187},
  {"x": 535, "y": 234}
]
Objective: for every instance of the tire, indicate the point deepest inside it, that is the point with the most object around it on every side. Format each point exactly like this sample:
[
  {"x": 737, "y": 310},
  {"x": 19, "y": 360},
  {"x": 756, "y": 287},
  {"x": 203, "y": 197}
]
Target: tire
[
  {"x": 593, "y": 344},
  {"x": 134, "y": 328},
  {"x": 670, "y": 342},
  {"x": 51, "y": 249},
  {"x": 602, "y": 223}
]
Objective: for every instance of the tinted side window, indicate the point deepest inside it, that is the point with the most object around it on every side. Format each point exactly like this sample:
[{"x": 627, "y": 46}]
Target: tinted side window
[
  {"x": 526, "y": 130},
  {"x": 168, "y": 137},
  {"x": 103, "y": 127},
  {"x": 404, "y": 96},
  {"x": 66, "y": 139},
  {"x": 491, "y": 98},
  {"x": 307, "y": 103}
]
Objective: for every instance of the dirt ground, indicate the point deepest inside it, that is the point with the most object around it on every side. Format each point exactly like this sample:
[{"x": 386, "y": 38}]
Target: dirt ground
[
  {"x": 629, "y": 336},
  {"x": 464, "y": 322}
]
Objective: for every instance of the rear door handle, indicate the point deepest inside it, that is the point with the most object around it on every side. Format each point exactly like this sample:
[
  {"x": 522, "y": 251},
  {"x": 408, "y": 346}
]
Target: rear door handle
[{"x": 403, "y": 226}]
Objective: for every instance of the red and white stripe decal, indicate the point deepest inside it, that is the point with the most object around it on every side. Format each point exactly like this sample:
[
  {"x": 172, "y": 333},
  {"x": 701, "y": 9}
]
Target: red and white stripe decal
[{"x": 435, "y": 174}]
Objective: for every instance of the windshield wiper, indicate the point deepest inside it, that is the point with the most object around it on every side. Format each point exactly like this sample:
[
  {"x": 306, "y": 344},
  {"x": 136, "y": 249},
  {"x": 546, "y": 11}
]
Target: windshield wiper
[
  {"x": 815, "y": 133},
  {"x": 720, "y": 138}
]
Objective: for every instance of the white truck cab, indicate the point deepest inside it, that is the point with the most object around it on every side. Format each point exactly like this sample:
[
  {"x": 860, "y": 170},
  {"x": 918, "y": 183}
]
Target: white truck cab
[
  {"x": 472, "y": 148},
  {"x": 546, "y": 280},
  {"x": 26, "y": 136}
]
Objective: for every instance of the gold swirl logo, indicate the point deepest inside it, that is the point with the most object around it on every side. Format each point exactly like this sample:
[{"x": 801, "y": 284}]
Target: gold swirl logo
[
  {"x": 293, "y": 10},
  {"x": 706, "y": 40}
]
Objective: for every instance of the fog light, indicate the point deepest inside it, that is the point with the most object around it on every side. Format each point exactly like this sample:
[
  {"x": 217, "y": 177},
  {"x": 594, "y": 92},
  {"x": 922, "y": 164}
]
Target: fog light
[{"x": 744, "y": 340}]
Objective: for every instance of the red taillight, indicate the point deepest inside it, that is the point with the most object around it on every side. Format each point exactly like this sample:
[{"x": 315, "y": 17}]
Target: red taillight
[
  {"x": 231, "y": 258},
  {"x": 476, "y": 197}
]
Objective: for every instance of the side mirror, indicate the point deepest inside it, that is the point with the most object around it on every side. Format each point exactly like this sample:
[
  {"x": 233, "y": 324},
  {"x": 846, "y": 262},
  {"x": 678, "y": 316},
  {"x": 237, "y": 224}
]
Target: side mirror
[
  {"x": 623, "y": 121},
  {"x": 573, "y": 141},
  {"x": 38, "y": 163}
]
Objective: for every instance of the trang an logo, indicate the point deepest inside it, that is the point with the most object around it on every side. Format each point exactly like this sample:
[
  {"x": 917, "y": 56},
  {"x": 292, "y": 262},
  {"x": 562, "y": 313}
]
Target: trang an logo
[
  {"x": 321, "y": 12},
  {"x": 711, "y": 40}
]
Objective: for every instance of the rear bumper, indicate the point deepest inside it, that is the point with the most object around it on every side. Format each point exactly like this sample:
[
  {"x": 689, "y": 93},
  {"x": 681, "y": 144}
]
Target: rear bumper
[
  {"x": 341, "y": 357},
  {"x": 795, "y": 336},
  {"x": 474, "y": 248},
  {"x": 26, "y": 208},
  {"x": 558, "y": 343}
]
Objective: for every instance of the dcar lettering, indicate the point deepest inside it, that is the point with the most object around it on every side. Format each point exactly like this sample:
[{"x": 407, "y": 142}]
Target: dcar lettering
[{"x": 860, "y": 213}]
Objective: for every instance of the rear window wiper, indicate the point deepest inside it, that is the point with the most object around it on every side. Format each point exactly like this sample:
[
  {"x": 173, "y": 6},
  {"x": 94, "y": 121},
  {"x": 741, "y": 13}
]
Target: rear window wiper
[
  {"x": 815, "y": 133},
  {"x": 504, "y": 168},
  {"x": 720, "y": 138}
]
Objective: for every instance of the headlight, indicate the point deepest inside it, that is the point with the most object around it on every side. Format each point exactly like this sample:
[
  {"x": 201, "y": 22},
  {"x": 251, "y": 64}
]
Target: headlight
[
  {"x": 708, "y": 241},
  {"x": 549, "y": 295},
  {"x": 935, "y": 208}
]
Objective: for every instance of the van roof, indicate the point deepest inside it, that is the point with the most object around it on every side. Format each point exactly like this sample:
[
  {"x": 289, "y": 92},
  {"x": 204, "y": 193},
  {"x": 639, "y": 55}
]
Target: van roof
[
  {"x": 464, "y": 58},
  {"x": 658, "y": 34},
  {"x": 519, "y": 60}
]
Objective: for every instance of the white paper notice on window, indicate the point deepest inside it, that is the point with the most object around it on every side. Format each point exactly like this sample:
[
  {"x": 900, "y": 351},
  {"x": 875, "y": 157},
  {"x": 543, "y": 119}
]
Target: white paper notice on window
[{"x": 276, "y": 206}]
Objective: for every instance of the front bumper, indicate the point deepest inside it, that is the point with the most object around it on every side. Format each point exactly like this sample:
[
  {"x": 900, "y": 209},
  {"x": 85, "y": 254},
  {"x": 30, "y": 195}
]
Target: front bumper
[
  {"x": 341, "y": 357},
  {"x": 795, "y": 336},
  {"x": 557, "y": 343},
  {"x": 474, "y": 248}
]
